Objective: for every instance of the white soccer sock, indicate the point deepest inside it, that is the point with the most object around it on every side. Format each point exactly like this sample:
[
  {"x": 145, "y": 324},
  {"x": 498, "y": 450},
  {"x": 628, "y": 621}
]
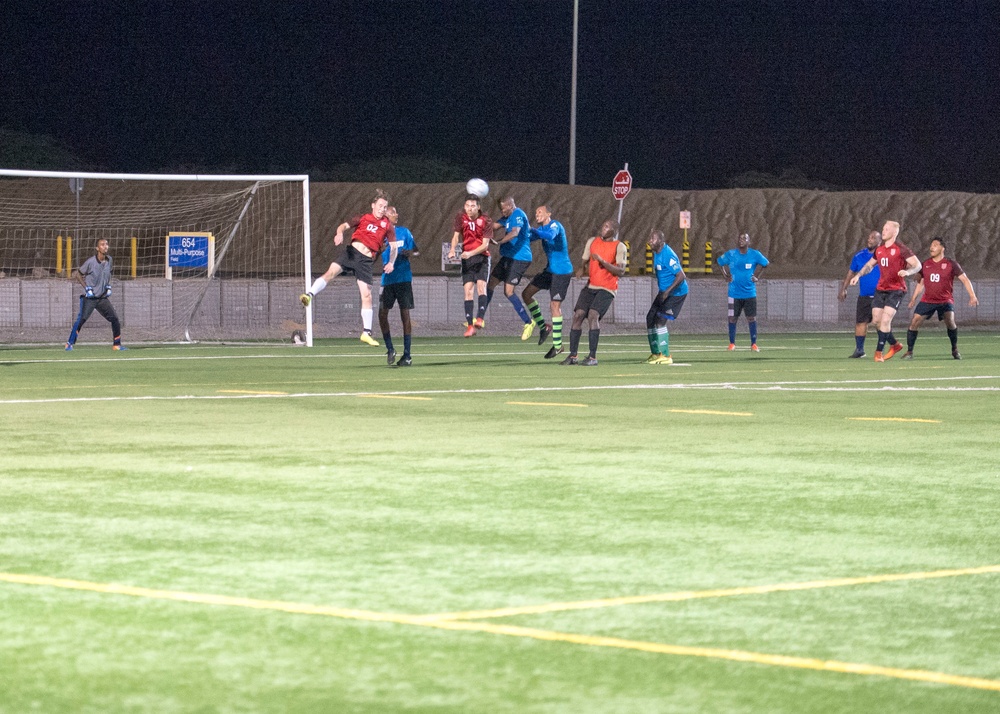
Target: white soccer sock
[
  {"x": 366, "y": 318},
  {"x": 318, "y": 285}
]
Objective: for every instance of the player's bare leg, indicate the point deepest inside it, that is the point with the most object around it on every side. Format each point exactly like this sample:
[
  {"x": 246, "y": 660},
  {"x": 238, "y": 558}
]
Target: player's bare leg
[{"x": 320, "y": 283}]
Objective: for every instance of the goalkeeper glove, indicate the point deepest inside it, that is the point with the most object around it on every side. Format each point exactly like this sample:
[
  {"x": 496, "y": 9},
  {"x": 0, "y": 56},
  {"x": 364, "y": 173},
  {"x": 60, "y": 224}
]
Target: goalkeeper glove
[{"x": 89, "y": 292}]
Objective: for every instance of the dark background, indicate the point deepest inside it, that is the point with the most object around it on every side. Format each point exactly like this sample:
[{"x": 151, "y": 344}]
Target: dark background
[{"x": 694, "y": 95}]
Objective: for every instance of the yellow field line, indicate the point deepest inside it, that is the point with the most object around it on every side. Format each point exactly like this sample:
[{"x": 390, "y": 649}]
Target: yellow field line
[
  {"x": 708, "y": 411},
  {"x": 511, "y": 631},
  {"x": 247, "y": 391},
  {"x": 917, "y": 675},
  {"x": 394, "y": 396},
  {"x": 547, "y": 404},
  {"x": 705, "y": 594},
  {"x": 919, "y": 421},
  {"x": 206, "y": 599}
]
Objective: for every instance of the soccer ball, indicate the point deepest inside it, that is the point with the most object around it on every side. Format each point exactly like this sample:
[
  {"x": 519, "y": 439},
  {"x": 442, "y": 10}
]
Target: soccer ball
[{"x": 477, "y": 187}]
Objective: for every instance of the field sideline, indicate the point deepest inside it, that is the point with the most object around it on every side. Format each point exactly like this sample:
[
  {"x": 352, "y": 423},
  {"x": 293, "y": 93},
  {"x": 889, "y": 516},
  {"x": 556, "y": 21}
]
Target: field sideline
[{"x": 268, "y": 528}]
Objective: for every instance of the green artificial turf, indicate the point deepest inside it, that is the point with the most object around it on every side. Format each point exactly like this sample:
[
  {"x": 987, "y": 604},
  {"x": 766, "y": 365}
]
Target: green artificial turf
[{"x": 486, "y": 477}]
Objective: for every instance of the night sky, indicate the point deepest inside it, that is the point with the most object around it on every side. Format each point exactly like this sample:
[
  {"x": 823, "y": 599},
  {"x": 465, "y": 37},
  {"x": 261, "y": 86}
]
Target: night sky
[{"x": 880, "y": 95}]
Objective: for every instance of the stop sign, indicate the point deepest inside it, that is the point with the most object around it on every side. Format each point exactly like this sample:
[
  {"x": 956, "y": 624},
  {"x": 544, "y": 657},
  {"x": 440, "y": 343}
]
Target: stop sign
[{"x": 622, "y": 184}]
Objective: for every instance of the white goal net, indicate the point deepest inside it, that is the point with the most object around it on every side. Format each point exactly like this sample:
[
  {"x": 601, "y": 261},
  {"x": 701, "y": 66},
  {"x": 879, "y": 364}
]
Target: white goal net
[{"x": 195, "y": 258}]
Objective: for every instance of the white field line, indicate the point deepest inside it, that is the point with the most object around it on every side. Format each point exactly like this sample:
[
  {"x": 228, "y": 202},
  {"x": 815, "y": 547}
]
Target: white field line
[
  {"x": 807, "y": 385},
  {"x": 131, "y": 357}
]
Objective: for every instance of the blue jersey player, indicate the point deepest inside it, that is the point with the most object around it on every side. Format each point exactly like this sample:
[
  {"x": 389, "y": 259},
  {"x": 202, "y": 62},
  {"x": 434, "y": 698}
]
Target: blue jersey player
[
  {"x": 515, "y": 259},
  {"x": 743, "y": 267},
  {"x": 866, "y": 292},
  {"x": 555, "y": 278},
  {"x": 397, "y": 286},
  {"x": 671, "y": 292}
]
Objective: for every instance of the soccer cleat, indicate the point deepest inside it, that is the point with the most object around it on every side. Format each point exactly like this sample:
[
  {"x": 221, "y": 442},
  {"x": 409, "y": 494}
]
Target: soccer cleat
[
  {"x": 653, "y": 358},
  {"x": 118, "y": 348},
  {"x": 528, "y": 331},
  {"x": 553, "y": 351},
  {"x": 879, "y": 357},
  {"x": 589, "y": 362},
  {"x": 571, "y": 360},
  {"x": 754, "y": 347},
  {"x": 907, "y": 355},
  {"x": 368, "y": 339},
  {"x": 857, "y": 354},
  {"x": 479, "y": 323},
  {"x": 69, "y": 347},
  {"x": 893, "y": 350},
  {"x": 732, "y": 347},
  {"x": 404, "y": 361},
  {"x": 955, "y": 354},
  {"x": 664, "y": 359},
  {"x": 390, "y": 357},
  {"x": 470, "y": 331},
  {"x": 305, "y": 299},
  {"x": 543, "y": 333}
]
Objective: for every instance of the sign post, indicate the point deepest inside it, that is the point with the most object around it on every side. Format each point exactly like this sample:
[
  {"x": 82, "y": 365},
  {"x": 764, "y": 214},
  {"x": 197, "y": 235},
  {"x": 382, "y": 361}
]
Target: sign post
[{"x": 620, "y": 188}]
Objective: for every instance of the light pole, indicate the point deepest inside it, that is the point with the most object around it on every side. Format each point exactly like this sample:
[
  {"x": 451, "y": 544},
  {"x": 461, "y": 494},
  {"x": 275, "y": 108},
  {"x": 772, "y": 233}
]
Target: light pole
[{"x": 572, "y": 100}]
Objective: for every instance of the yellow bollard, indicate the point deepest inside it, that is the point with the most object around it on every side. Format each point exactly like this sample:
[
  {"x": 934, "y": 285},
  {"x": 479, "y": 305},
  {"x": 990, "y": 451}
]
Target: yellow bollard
[
  {"x": 649, "y": 260},
  {"x": 708, "y": 257},
  {"x": 69, "y": 256},
  {"x": 58, "y": 255},
  {"x": 627, "y": 255},
  {"x": 135, "y": 256}
]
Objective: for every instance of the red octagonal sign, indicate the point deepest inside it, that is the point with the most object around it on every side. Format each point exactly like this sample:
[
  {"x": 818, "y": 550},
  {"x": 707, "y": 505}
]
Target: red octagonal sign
[{"x": 622, "y": 184}]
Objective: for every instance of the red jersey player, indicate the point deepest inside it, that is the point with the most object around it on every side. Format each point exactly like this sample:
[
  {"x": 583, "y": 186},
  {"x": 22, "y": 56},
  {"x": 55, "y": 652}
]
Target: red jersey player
[
  {"x": 372, "y": 231},
  {"x": 475, "y": 229},
  {"x": 937, "y": 283},
  {"x": 892, "y": 257}
]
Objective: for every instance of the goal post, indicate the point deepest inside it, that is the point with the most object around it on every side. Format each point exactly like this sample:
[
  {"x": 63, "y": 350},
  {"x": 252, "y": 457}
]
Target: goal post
[{"x": 195, "y": 257}]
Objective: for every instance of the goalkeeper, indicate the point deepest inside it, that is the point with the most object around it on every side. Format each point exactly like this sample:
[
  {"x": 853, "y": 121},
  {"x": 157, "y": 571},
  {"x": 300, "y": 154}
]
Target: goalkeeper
[{"x": 95, "y": 277}]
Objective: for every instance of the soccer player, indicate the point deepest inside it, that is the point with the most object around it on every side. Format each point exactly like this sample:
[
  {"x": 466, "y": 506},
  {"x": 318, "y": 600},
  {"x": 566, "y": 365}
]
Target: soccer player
[
  {"x": 742, "y": 266},
  {"x": 515, "y": 259},
  {"x": 672, "y": 287},
  {"x": 866, "y": 292},
  {"x": 95, "y": 278},
  {"x": 937, "y": 283},
  {"x": 891, "y": 257},
  {"x": 398, "y": 286},
  {"x": 372, "y": 232},
  {"x": 555, "y": 278},
  {"x": 475, "y": 229},
  {"x": 605, "y": 258}
]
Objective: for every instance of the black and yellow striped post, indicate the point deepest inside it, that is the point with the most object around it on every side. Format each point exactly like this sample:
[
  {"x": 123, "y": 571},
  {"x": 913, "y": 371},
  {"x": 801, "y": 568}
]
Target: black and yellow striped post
[
  {"x": 649, "y": 260},
  {"x": 708, "y": 257},
  {"x": 628, "y": 254},
  {"x": 685, "y": 254}
]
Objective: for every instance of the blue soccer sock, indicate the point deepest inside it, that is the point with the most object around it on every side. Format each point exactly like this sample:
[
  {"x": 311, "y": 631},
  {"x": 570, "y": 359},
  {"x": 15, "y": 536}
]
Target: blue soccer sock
[
  {"x": 388, "y": 341},
  {"x": 732, "y": 333},
  {"x": 407, "y": 339},
  {"x": 859, "y": 343},
  {"x": 518, "y": 306},
  {"x": 753, "y": 332},
  {"x": 881, "y": 341}
]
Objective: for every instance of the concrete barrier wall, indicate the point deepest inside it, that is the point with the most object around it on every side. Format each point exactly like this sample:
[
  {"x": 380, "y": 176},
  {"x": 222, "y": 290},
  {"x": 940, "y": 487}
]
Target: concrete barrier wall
[{"x": 154, "y": 309}]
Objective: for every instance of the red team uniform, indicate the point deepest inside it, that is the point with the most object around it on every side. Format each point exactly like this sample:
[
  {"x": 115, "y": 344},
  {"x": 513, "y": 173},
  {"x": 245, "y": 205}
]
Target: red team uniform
[
  {"x": 939, "y": 280},
  {"x": 890, "y": 261},
  {"x": 371, "y": 232},
  {"x": 473, "y": 231}
]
